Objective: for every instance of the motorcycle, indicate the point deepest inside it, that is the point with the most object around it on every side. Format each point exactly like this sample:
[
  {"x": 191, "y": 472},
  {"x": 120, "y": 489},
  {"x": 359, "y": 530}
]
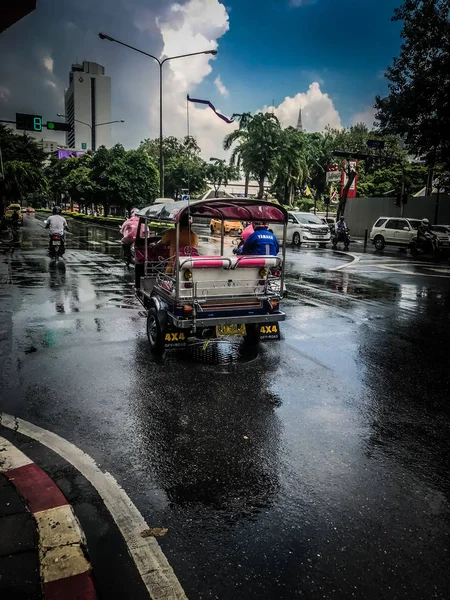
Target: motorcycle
[
  {"x": 238, "y": 242},
  {"x": 430, "y": 247},
  {"x": 341, "y": 236},
  {"x": 56, "y": 246}
]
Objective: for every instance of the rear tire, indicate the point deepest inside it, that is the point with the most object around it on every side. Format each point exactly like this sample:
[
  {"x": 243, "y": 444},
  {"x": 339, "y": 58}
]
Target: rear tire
[
  {"x": 296, "y": 239},
  {"x": 322, "y": 245},
  {"x": 155, "y": 333},
  {"x": 251, "y": 338},
  {"x": 379, "y": 242}
]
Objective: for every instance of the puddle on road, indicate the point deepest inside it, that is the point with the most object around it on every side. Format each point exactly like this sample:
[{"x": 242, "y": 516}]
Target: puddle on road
[
  {"x": 341, "y": 284},
  {"x": 214, "y": 352}
]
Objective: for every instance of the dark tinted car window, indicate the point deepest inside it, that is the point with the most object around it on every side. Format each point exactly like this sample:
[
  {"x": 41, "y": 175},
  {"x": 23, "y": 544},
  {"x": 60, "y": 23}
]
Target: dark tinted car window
[
  {"x": 380, "y": 222},
  {"x": 392, "y": 224}
]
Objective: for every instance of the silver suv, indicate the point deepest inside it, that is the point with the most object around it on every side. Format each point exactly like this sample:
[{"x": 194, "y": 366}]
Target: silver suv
[{"x": 399, "y": 231}]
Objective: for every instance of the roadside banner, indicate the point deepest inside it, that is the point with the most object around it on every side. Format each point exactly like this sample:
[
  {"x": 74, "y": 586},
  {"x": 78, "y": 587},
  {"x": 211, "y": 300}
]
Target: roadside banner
[
  {"x": 354, "y": 167},
  {"x": 333, "y": 174}
]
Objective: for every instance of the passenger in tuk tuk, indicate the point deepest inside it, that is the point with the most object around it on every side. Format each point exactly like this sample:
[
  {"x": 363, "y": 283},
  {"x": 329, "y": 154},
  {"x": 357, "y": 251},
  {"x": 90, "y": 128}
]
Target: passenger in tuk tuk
[
  {"x": 261, "y": 242},
  {"x": 188, "y": 238}
]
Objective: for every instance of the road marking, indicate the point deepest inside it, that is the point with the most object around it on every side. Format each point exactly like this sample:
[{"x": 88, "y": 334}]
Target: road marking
[
  {"x": 11, "y": 457},
  {"x": 356, "y": 259},
  {"x": 156, "y": 572},
  {"x": 405, "y": 272}
]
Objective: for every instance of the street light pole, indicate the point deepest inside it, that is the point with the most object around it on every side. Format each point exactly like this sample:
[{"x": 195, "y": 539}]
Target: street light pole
[
  {"x": 91, "y": 128},
  {"x": 103, "y": 36}
]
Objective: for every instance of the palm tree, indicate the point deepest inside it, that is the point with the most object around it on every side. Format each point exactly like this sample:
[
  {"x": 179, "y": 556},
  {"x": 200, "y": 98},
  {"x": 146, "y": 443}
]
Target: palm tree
[
  {"x": 259, "y": 137},
  {"x": 291, "y": 169}
]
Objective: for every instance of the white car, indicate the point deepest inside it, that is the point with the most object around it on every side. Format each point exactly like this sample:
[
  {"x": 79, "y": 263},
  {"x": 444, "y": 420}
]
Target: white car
[
  {"x": 304, "y": 228},
  {"x": 399, "y": 231}
]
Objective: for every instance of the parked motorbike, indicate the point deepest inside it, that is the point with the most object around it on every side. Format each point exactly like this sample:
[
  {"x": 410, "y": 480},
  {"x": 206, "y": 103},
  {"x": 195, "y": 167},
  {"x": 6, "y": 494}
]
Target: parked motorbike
[
  {"x": 341, "y": 236},
  {"x": 56, "y": 247}
]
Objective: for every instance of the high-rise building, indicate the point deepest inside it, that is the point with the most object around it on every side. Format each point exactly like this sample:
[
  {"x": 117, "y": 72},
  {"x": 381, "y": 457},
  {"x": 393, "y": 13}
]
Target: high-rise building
[{"x": 88, "y": 99}]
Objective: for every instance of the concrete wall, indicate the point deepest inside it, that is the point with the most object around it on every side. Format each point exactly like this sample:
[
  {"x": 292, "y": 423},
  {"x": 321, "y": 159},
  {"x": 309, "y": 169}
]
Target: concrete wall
[{"x": 361, "y": 213}]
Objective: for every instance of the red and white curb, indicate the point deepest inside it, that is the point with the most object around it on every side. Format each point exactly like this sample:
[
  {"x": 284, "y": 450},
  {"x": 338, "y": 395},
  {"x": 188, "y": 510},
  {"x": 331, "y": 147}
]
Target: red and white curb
[
  {"x": 157, "y": 574},
  {"x": 65, "y": 570}
]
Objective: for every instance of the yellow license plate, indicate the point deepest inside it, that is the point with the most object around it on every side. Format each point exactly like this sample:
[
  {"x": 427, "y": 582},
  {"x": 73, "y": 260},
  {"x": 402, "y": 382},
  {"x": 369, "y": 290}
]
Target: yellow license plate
[{"x": 233, "y": 329}]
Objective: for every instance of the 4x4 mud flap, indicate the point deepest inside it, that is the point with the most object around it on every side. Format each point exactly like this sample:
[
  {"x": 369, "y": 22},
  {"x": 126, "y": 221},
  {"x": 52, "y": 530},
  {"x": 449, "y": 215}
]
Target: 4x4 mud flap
[{"x": 270, "y": 332}]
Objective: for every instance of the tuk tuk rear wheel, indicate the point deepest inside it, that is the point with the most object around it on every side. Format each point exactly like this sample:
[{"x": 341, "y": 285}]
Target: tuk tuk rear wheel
[
  {"x": 251, "y": 338},
  {"x": 155, "y": 332}
]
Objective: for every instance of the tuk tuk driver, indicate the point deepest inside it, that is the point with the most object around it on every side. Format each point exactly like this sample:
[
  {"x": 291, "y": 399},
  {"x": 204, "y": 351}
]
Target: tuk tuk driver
[
  {"x": 261, "y": 242},
  {"x": 187, "y": 236}
]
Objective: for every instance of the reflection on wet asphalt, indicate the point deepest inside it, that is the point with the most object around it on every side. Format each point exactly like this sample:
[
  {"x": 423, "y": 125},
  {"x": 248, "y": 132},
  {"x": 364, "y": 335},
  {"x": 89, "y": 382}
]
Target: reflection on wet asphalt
[{"x": 316, "y": 468}]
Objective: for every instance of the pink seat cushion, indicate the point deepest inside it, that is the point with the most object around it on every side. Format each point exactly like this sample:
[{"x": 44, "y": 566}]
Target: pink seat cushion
[{"x": 251, "y": 262}]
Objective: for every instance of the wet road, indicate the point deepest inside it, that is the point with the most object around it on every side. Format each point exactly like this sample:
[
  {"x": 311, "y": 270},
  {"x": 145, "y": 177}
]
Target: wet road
[{"x": 316, "y": 469}]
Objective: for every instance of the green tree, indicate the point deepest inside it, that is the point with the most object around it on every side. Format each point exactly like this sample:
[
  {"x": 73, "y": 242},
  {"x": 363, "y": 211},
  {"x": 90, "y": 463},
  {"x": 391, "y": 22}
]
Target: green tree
[
  {"x": 20, "y": 148},
  {"x": 183, "y": 166},
  {"x": 123, "y": 178},
  {"x": 258, "y": 142},
  {"x": 21, "y": 179},
  {"x": 219, "y": 173},
  {"x": 291, "y": 170},
  {"x": 418, "y": 105}
]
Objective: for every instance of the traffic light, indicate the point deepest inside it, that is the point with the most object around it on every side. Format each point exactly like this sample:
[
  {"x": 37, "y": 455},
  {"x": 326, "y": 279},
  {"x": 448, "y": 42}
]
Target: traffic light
[
  {"x": 58, "y": 126},
  {"x": 27, "y": 122}
]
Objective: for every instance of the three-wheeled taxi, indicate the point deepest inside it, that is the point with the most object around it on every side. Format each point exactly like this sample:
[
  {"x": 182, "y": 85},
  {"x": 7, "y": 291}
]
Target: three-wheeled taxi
[{"x": 188, "y": 295}]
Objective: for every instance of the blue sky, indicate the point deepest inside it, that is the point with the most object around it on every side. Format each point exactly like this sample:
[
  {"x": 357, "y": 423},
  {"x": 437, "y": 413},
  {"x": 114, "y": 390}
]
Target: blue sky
[
  {"x": 280, "y": 49},
  {"x": 327, "y": 57}
]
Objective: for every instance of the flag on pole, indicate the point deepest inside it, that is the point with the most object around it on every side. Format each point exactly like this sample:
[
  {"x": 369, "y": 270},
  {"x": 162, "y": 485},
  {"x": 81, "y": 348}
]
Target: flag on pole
[
  {"x": 333, "y": 193},
  {"x": 306, "y": 190},
  {"x": 212, "y": 107}
]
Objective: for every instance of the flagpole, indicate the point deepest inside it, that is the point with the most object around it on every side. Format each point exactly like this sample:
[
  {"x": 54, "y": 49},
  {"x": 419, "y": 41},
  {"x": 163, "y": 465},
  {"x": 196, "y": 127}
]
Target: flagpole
[
  {"x": 188, "y": 134},
  {"x": 187, "y": 113}
]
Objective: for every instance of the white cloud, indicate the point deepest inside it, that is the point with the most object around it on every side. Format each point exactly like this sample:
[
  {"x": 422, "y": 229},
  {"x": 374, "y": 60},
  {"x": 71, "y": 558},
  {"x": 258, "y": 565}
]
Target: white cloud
[
  {"x": 48, "y": 63},
  {"x": 318, "y": 110},
  {"x": 366, "y": 116},
  {"x": 4, "y": 94},
  {"x": 220, "y": 86},
  {"x": 192, "y": 27}
]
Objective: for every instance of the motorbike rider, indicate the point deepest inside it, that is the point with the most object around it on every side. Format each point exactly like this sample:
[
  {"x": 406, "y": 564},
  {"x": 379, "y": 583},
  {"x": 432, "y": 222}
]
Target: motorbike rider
[
  {"x": 57, "y": 225},
  {"x": 129, "y": 232},
  {"x": 15, "y": 218},
  {"x": 341, "y": 230},
  {"x": 424, "y": 234},
  {"x": 261, "y": 242}
]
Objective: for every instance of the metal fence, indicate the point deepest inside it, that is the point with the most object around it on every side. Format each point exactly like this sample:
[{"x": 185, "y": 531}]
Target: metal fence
[{"x": 361, "y": 213}]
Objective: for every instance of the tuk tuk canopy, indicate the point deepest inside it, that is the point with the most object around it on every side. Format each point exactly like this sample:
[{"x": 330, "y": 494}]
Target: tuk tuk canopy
[{"x": 239, "y": 209}]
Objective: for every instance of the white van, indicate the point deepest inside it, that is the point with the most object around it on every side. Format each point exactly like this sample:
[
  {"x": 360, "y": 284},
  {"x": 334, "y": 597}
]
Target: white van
[{"x": 304, "y": 228}]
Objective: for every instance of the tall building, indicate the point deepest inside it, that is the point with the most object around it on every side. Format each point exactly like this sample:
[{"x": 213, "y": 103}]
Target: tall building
[
  {"x": 88, "y": 99},
  {"x": 299, "y": 121}
]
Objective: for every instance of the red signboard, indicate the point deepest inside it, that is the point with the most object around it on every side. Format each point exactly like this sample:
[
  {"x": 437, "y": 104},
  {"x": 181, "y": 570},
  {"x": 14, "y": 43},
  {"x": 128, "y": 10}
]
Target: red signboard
[{"x": 353, "y": 187}]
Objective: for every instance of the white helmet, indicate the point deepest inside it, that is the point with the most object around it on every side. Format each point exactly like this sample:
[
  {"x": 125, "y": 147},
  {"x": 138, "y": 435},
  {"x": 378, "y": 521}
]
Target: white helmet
[{"x": 425, "y": 222}]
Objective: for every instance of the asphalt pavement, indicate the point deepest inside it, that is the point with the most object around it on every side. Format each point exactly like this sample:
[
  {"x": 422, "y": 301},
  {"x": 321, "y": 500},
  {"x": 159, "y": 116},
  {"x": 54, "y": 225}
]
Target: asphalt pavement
[{"x": 316, "y": 467}]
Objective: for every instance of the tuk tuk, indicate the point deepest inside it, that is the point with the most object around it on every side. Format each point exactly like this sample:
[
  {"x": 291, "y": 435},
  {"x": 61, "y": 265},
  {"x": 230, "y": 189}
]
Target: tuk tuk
[{"x": 191, "y": 297}]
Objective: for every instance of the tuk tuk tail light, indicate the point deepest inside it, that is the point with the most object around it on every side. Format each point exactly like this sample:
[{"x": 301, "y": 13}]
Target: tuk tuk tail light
[
  {"x": 263, "y": 272},
  {"x": 187, "y": 274},
  {"x": 276, "y": 272},
  {"x": 187, "y": 310},
  {"x": 273, "y": 304}
]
